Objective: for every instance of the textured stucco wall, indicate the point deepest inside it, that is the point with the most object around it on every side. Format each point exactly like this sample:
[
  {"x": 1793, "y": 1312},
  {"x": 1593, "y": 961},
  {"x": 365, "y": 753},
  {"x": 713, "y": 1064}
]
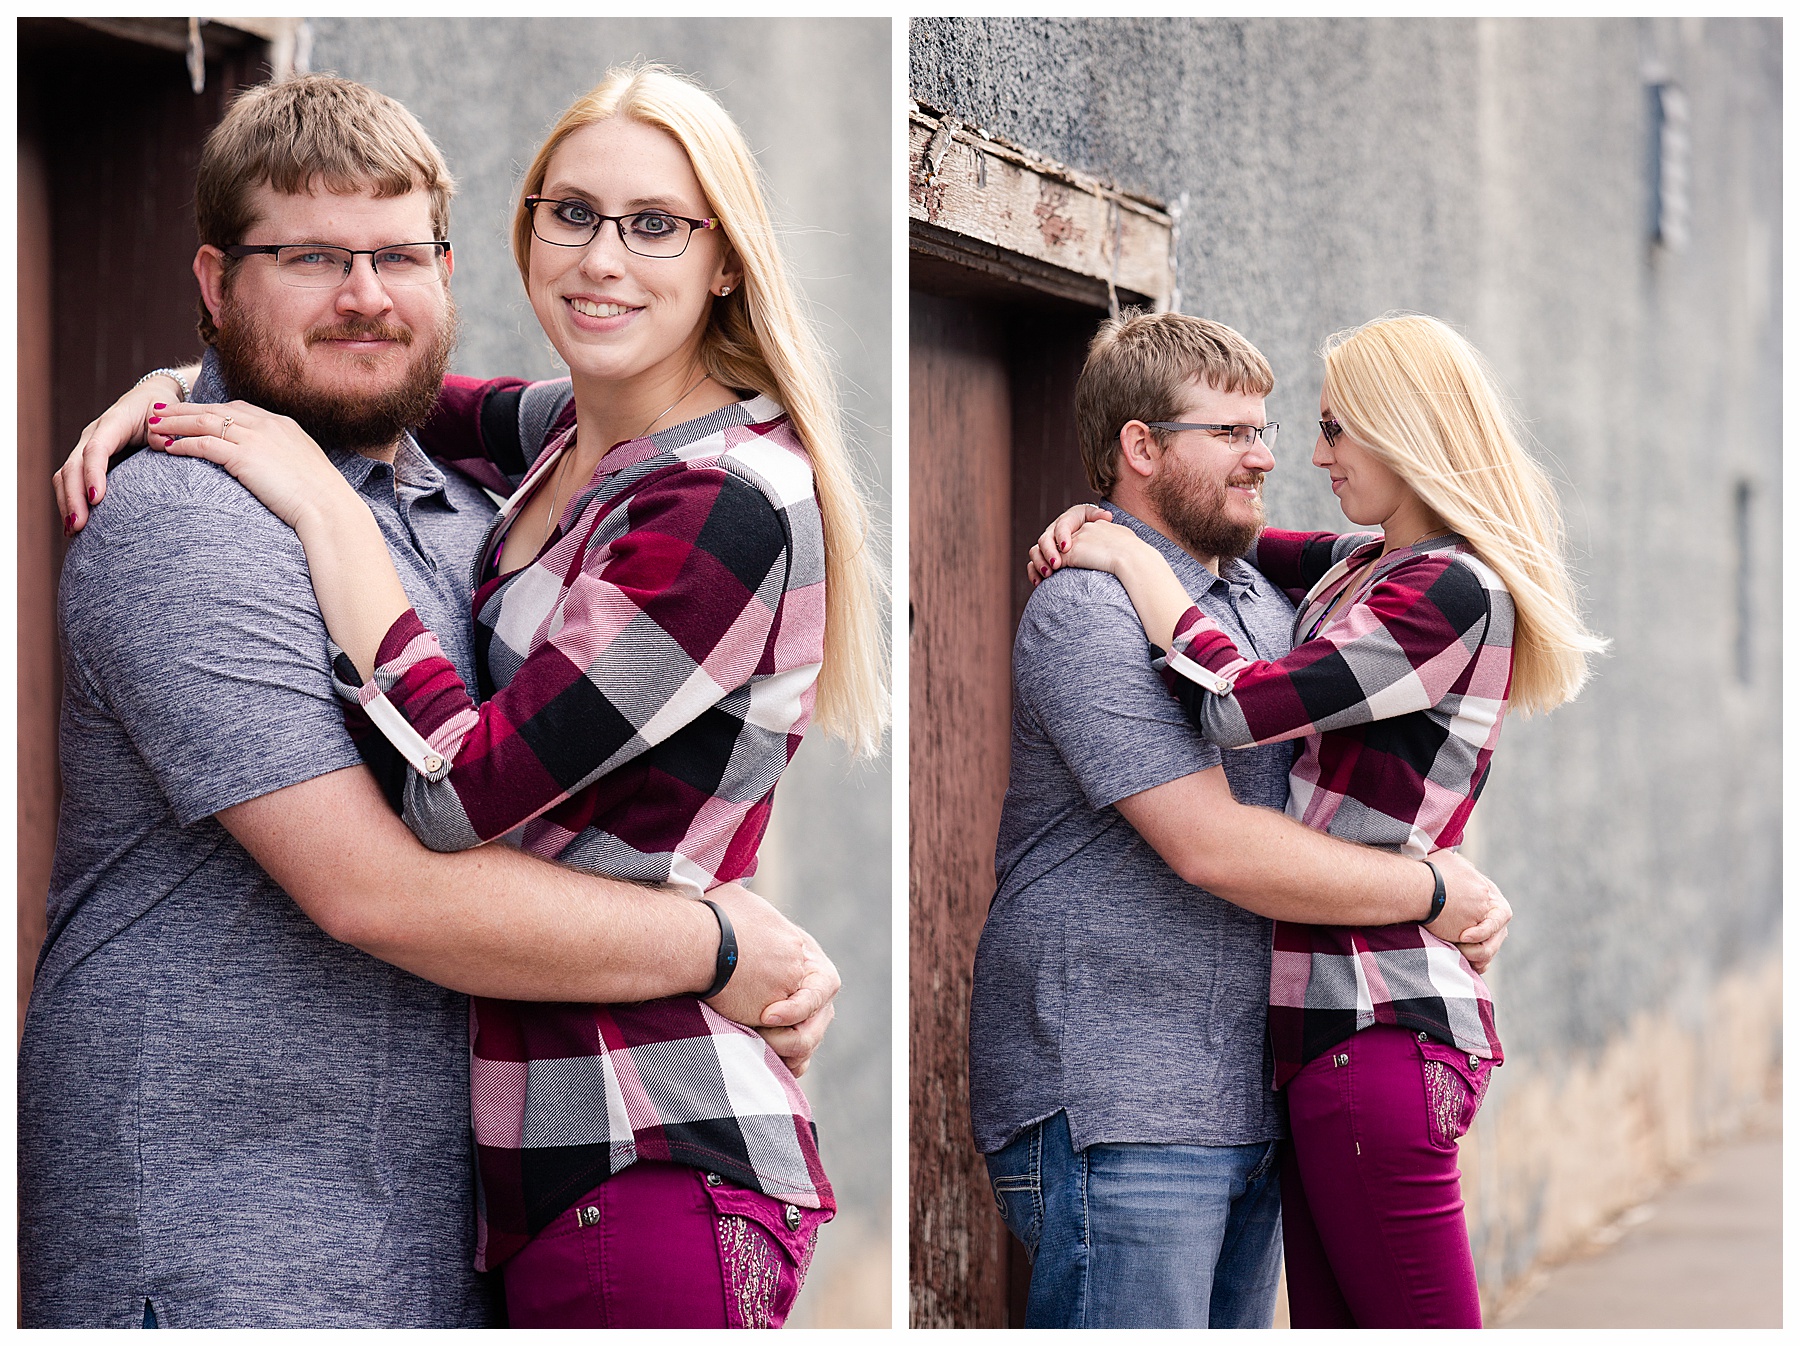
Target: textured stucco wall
[
  {"x": 1496, "y": 173},
  {"x": 815, "y": 100}
]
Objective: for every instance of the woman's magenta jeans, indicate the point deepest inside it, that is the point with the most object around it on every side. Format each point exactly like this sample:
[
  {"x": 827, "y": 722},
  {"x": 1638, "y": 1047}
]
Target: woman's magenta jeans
[
  {"x": 664, "y": 1245},
  {"x": 1371, "y": 1201}
]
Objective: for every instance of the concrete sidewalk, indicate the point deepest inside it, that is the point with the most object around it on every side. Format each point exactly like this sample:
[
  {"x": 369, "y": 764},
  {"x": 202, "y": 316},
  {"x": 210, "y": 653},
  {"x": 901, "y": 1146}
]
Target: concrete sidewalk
[{"x": 1705, "y": 1252}]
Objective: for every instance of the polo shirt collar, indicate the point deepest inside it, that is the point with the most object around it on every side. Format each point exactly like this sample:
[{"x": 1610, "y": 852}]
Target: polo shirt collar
[
  {"x": 1236, "y": 575},
  {"x": 417, "y": 474}
]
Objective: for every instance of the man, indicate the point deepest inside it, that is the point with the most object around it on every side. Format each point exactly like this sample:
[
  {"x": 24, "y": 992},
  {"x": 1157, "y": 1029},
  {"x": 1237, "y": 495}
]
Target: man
[
  {"x": 231, "y": 1112},
  {"x": 1119, "y": 1076}
]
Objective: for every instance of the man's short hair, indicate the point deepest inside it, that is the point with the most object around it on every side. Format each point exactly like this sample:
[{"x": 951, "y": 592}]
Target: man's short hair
[
  {"x": 301, "y": 134},
  {"x": 1138, "y": 368}
]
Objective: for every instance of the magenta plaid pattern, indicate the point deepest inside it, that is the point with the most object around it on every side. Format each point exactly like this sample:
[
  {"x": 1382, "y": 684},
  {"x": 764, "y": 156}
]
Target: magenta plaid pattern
[
  {"x": 1399, "y": 698},
  {"x": 644, "y": 682}
]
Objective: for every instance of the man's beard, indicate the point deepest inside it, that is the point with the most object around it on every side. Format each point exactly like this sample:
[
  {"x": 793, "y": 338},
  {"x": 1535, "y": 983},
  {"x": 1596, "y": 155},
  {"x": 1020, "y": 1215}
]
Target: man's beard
[
  {"x": 259, "y": 368},
  {"x": 1194, "y": 509}
]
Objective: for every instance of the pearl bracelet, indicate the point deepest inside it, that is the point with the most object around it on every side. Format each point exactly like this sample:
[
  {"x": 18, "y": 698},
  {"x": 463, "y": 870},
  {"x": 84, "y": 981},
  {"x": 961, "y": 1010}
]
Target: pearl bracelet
[{"x": 181, "y": 383}]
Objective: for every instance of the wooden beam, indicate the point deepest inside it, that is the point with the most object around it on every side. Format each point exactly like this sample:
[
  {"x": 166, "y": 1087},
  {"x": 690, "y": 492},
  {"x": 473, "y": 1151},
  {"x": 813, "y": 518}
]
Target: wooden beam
[
  {"x": 950, "y": 263},
  {"x": 967, "y": 185},
  {"x": 219, "y": 35}
]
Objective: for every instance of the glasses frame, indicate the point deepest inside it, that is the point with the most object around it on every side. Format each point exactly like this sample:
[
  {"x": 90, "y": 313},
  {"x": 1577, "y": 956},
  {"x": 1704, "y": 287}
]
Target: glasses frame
[
  {"x": 618, "y": 222},
  {"x": 1266, "y": 433},
  {"x": 1329, "y": 427},
  {"x": 238, "y": 251}
]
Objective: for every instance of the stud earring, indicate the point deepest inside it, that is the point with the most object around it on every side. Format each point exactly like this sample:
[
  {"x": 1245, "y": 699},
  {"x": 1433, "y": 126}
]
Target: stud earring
[{"x": 724, "y": 292}]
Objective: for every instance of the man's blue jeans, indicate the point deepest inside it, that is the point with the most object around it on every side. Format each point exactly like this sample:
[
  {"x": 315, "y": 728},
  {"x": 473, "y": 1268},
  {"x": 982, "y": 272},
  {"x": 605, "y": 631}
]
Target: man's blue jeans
[{"x": 1143, "y": 1235}]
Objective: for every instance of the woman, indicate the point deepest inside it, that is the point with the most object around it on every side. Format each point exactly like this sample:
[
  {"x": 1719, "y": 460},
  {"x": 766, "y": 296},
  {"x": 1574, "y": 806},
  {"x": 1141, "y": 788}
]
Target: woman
[
  {"x": 1407, "y": 651},
  {"x": 674, "y": 578}
]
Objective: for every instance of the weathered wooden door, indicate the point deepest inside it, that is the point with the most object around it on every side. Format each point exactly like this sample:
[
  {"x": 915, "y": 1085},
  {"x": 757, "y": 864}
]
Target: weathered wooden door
[
  {"x": 993, "y": 457},
  {"x": 959, "y": 697},
  {"x": 109, "y": 138},
  {"x": 1014, "y": 260}
]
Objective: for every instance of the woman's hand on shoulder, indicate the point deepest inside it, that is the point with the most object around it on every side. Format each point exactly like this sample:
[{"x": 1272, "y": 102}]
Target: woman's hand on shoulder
[
  {"x": 1106, "y": 546},
  {"x": 1050, "y": 551},
  {"x": 80, "y": 482},
  {"x": 275, "y": 460}
]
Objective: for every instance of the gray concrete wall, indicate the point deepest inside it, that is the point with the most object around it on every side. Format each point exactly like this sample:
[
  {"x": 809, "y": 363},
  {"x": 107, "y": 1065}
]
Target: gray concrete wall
[
  {"x": 1497, "y": 173},
  {"x": 815, "y": 100}
]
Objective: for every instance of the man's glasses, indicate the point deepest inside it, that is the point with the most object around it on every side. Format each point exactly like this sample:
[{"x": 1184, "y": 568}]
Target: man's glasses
[
  {"x": 1331, "y": 430},
  {"x": 648, "y": 233},
  {"x": 1238, "y": 436},
  {"x": 316, "y": 266}
]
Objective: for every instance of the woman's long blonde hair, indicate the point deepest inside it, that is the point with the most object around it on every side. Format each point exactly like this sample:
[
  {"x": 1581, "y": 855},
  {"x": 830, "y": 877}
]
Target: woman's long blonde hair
[
  {"x": 758, "y": 338},
  {"x": 1414, "y": 391}
]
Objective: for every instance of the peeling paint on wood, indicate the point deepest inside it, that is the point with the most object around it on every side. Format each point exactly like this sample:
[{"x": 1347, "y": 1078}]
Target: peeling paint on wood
[
  {"x": 1054, "y": 222},
  {"x": 981, "y": 187}
]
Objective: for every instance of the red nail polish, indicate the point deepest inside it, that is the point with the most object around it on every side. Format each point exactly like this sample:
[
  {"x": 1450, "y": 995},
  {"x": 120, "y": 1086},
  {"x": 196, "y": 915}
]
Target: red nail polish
[
  {"x": 158, "y": 406},
  {"x": 155, "y": 419},
  {"x": 69, "y": 523},
  {"x": 93, "y": 495}
]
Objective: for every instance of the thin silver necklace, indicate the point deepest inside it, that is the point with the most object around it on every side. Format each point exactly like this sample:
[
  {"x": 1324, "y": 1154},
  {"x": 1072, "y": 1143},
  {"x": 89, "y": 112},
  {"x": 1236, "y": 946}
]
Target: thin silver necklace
[
  {"x": 555, "y": 486},
  {"x": 1422, "y": 537},
  {"x": 556, "y": 480},
  {"x": 677, "y": 402}
]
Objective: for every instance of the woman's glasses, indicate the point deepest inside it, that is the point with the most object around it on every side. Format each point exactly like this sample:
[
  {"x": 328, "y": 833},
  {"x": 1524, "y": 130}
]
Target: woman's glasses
[{"x": 648, "y": 233}]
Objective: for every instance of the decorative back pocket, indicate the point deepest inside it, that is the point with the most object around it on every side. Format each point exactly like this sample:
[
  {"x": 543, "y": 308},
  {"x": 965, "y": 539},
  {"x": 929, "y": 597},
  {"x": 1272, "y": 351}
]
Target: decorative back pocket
[
  {"x": 1016, "y": 1174},
  {"x": 1021, "y": 1203},
  {"x": 765, "y": 1248},
  {"x": 1455, "y": 1084}
]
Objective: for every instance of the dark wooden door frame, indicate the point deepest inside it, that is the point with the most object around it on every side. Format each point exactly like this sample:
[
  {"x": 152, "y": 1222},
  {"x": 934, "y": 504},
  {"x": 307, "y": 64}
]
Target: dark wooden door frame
[
  {"x": 968, "y": 557},
  {"x": 109, "y": 138},
  {"x": 1013, "y": 260}
]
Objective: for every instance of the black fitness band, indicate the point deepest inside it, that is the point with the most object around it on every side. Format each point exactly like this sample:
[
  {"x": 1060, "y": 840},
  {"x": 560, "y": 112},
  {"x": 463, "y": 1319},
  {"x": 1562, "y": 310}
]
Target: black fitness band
[
  {"x": 1437, "y": 897},
  {"x": 727, "y": 960}
]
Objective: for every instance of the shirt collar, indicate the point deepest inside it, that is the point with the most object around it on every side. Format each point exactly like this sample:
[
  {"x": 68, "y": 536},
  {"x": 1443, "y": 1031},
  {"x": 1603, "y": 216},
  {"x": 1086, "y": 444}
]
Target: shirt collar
[
  {"x": 1371, "y": 551},
  {"x": 416, "y": 472},
  {"x": 626, "y": 453},
  {"x": 1235, "y": 574}
]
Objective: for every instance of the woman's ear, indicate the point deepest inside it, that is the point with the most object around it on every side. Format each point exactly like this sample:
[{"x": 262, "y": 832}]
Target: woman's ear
[{"x": 730, "y": 274}]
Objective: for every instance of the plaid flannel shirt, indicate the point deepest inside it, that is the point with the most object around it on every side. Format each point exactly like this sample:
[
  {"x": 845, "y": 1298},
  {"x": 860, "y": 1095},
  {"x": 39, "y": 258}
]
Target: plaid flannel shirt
[
  {"x": 644, "y": 682},
  {"x": 1399, "y": 699}
]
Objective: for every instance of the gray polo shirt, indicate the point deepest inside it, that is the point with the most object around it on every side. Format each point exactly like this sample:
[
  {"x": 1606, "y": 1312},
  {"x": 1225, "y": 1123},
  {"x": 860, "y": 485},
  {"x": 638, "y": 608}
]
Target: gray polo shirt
[
  {"x": 221, "y": 1109},
  {"x": 1105, "y": 986}
]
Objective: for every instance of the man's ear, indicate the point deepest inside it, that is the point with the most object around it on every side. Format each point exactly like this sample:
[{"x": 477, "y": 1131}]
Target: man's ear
[
  {"x": 209, "y": 270},
  {"x": 1139, "y": 450}
]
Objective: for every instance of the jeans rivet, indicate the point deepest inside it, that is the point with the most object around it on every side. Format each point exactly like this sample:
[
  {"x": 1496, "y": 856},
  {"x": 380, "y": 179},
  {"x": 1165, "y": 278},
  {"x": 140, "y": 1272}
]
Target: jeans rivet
[{"x": 1341, "y": 1059}]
